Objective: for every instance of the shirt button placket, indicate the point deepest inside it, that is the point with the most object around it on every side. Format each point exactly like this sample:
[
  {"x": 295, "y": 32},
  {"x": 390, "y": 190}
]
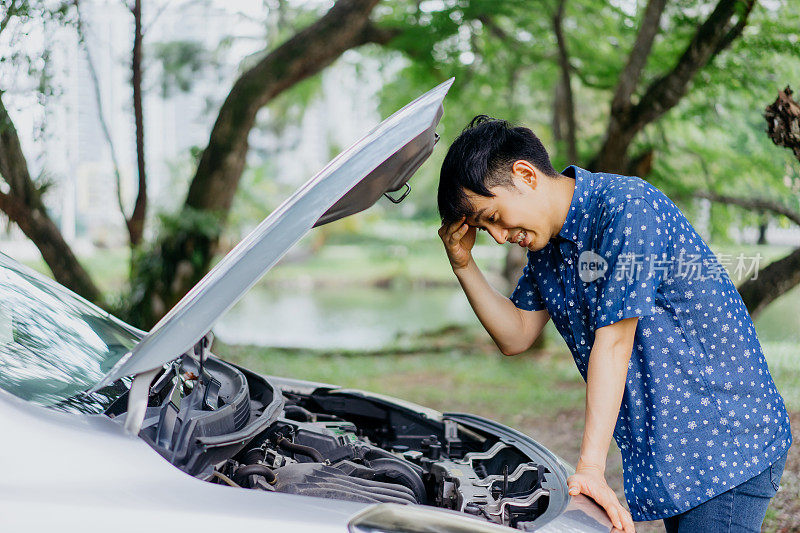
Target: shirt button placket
[{"x": 568, "y": 279}]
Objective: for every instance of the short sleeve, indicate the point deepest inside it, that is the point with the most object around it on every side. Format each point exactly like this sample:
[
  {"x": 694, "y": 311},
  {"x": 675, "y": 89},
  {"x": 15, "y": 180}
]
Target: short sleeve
[
  {"x": 526, "y": 295},
  {"x": 633, "y": 241}
]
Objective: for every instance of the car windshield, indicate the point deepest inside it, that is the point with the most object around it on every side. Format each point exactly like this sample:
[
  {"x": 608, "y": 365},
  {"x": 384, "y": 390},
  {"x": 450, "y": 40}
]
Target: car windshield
[{"x": 53, "y": 344}]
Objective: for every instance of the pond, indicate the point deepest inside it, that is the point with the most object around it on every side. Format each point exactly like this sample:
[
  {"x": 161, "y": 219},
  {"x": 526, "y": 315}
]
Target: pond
[
  {"x": 340, "y": 317},
  {"x": 370, "y": 318}
]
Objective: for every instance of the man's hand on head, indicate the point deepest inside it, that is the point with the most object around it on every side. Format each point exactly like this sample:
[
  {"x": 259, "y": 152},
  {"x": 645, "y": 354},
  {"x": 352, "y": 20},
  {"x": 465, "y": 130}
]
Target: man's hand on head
[{"x": 458, "y": 238}]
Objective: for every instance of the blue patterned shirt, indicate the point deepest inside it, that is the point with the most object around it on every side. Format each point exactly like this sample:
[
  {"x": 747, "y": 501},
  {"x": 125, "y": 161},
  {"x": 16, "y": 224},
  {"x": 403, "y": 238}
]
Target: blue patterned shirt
[{"x": 700, "y": 413}]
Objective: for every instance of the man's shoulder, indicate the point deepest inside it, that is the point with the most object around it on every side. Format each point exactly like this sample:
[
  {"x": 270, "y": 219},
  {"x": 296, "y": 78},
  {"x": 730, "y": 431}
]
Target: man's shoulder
[{"x": 613, "y": 191}]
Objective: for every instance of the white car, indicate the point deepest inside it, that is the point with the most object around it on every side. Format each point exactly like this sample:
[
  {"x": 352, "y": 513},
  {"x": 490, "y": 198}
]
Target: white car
[{"x": 107, "y": 427}]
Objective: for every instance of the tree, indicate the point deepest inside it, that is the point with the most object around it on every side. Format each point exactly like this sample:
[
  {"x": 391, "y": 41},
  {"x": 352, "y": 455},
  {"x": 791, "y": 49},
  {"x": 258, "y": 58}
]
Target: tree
[
  {"x": 658, "y": 77},
  {"x": 23, "y": 205},
  {"x": 783, "y": 127},
  {"x": 627, "y": 119},
  {"x": 186, "y": 244},
  {"x": 22, "y": 201},
  {"x": 136, "y": 220},
  {"x": 637, "y": 88},
  {"x": 183, "y": 251}
]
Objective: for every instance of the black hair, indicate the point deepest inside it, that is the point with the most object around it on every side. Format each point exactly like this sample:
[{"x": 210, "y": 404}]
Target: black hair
[{"x": 481, "y": 158}]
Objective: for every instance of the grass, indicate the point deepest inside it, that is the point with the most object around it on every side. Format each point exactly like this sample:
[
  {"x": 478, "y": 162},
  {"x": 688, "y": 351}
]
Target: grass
[
  {"x": 108, "y": 267},
  {"x": 466, "y": 372},
  {"x": 782, "y": 358},
  {"x": 476, "y": 379}
]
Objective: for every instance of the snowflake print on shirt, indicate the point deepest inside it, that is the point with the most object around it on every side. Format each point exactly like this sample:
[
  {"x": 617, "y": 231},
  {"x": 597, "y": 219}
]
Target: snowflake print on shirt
[{"x": 700, "y": 413}]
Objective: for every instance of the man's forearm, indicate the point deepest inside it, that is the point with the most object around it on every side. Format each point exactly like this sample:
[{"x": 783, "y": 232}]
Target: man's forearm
[
  {"x": 499, "y": 316},
  {"x": 605, "y": 385}
]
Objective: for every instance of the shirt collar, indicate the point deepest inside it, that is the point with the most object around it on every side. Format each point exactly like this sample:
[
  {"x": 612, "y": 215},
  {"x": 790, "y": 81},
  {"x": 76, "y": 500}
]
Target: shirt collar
[{"x": 583, "y": 181}]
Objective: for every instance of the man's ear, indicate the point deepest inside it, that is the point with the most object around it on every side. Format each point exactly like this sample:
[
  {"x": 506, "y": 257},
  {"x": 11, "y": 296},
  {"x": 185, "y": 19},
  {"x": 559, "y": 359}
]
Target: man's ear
[{"x": 525, "y": 172}]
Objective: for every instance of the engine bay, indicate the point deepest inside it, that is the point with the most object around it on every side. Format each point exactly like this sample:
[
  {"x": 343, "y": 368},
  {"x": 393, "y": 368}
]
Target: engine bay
[{"x": 226, "y": 425}]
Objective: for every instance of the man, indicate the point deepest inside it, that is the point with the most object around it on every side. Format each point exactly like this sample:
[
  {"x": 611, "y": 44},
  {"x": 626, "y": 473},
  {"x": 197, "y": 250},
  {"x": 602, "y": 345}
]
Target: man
[{"x": 673, "y": 368}]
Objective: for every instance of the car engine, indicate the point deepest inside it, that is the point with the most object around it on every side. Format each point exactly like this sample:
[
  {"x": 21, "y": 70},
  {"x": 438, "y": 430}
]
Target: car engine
[{"x": 226, "y": 425}]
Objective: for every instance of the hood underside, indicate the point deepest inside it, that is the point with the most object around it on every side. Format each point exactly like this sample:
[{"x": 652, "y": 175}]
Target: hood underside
[{"x": 382, "y": 161}]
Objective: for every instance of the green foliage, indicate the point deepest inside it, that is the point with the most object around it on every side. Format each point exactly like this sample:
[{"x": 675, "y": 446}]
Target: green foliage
[
  {"x": 180, "y": 62},
  {"x": 715, "y": 138},
  {"x": 18, "y": 18},
  {"x": 504, "y": 58},
  {"x": 32, "y": 61},
  {"x": 177, "y": 253},
  {"x": 258, "y": 194},
  {"x": 287, "y": 108}
]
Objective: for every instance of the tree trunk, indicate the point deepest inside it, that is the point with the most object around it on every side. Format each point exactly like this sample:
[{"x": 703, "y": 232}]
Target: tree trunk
[
  {"x": 23, "y": 205},
  {"x": 135, "y": 222},
  {"x": 762, "y": 231},
  {"x": 626, "y": 120},
  {"x": 179, "y": 259},
  {"x": 778, "y": 278}
]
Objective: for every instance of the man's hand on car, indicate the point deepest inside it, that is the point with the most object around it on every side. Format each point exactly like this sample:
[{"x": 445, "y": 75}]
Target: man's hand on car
[
  {"x": 591, "y": 481},
  {"x": 458, "y": 238}
]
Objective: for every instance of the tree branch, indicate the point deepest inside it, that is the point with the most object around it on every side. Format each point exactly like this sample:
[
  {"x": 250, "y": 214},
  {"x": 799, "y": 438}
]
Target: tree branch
[
  {"x": 180, "y": 258},
  {"x": 494, "y": 29},
  {"x": 152, "y": 22},
  {"x": 629, "y": 77},
  {"x": 135, "y": 222},
  {"x": 23, "y": 205},
  {"x": 14, "y": 209},
  {"x": 566, "y": 82},
  {"x": 773, "y": 281},
  {"x": 302, "y": 56},
  {"x": 783, "y": 127},
  {"x": 665, "y": 92},
  {"x": 758, "y": 204},
  {"x": 736, "y": 30},
  {"x": 378, "y": 35},
  {"x": 10, "y": 11},
  {"x": 100, "y": 114}
]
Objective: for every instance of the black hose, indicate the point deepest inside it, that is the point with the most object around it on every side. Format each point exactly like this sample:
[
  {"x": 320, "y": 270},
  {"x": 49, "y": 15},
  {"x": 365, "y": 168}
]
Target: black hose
[
  {"x": 292, "y": 412},
  {"x": 244, "y": 472},
  {"x": 253, "y": 456},
  {"x": 308, "y": 451},
  {"x": 395, "y": 471},
  {"x": 398, "y": 470}
]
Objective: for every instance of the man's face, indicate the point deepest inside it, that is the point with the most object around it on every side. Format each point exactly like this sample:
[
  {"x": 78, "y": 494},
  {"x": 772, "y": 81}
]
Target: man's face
[{"x": 519, "y": 214}]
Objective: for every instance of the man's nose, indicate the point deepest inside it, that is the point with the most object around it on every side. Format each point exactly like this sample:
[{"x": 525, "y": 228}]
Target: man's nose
[{"x": 498, "y": 234}]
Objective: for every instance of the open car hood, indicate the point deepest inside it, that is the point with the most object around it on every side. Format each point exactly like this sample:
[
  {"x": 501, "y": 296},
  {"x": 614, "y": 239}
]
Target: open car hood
[{"x": 380, "y": 162}]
